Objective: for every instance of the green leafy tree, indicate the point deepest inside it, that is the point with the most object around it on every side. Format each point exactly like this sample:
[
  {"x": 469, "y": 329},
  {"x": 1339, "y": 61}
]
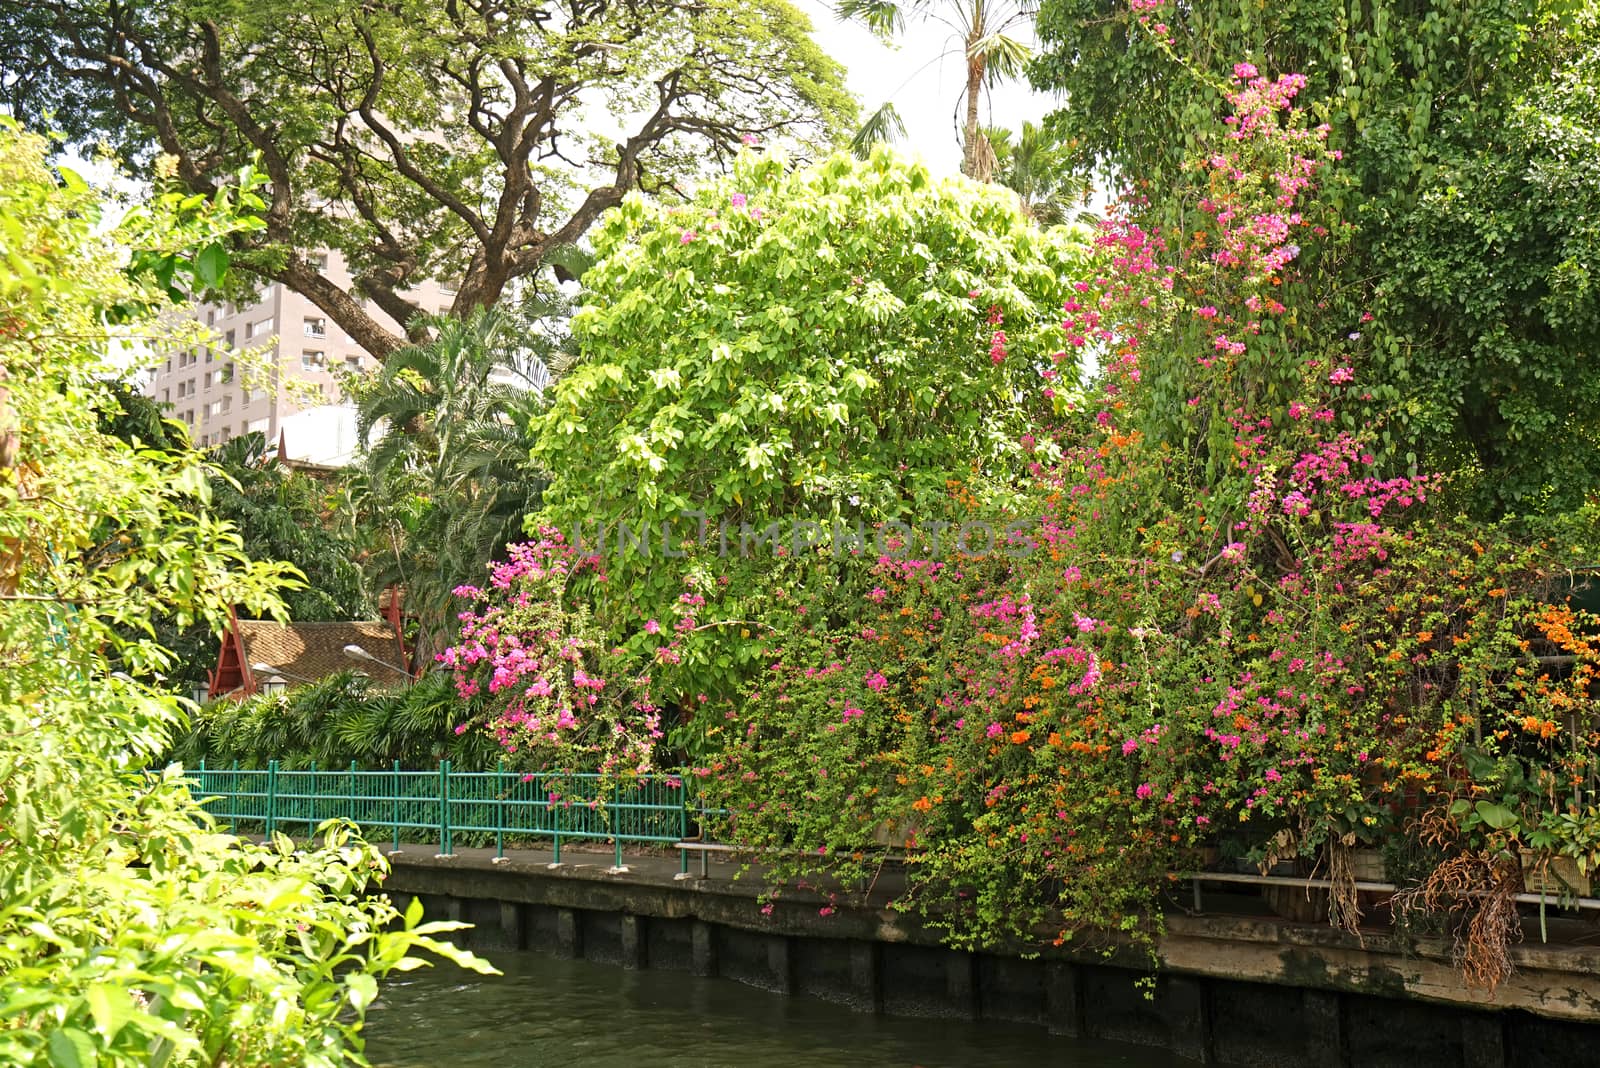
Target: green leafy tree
[
  {"x": 982, "y": 33},
  {"x": 285, "y": 514},
  {"x": 1470, "y": 149},
  {"x": 131, "y": 933},
  {"x": 423, "y": 140},
  {"x": 279, "y": 513},
  {"x": 832, "y": 343}
]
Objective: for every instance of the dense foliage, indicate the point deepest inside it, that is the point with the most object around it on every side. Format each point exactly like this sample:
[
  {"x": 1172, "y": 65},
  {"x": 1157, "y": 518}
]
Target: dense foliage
[
  {"x": 333, "y": 723},
  {"x": 1470, "y": 147},
  {"x": 130, "y": 932},
  {"x": 1255, "y": 523},
  {"x": 1229, "y": 618}
]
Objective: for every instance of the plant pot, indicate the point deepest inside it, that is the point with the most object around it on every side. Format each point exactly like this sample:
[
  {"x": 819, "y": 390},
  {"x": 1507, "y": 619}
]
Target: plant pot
[{"x": 1553, "y": 876}]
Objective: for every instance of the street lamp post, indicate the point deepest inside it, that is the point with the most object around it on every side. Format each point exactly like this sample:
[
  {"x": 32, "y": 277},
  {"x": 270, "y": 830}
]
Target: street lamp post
[
  {"x": 269, "y": 673},
  {"x": 355, "y": 652}
]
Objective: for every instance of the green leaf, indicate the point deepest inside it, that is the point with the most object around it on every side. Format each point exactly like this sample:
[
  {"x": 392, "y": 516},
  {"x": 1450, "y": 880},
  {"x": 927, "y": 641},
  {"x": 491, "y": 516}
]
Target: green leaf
[
  {"x": 69, "y": 1047},
  {"x": 1497, "y": 816},
  {"x": 211, "y": 264},
  {"x": 363, "y": 990},
  {"x": 111, "y": 1007}
]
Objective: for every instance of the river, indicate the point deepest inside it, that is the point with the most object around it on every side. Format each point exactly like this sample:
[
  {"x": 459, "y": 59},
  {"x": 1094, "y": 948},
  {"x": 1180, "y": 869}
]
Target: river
[{"x": 550, "y": 1013}]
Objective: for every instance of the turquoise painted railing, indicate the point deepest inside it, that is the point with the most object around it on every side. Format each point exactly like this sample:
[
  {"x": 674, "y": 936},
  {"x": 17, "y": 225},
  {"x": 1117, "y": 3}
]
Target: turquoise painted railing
[{"x": 555, "y": 807}]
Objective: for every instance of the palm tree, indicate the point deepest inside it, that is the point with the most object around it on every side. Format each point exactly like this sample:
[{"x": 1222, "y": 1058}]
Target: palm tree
[
  {"x": 1035, "y": 168},
  {"x": 980, "y": 29},
  {"x": 445, "y": 485}
]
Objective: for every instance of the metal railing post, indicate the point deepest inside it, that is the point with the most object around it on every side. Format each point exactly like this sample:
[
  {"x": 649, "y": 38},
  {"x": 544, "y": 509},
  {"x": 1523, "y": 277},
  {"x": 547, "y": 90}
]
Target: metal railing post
[
  {"x": 555, "y": 821},
  {"x": 683, "y": 830},
  {"x": 444, "y": 809},
  {"x": 272, "y": 795},
  {"x": 616, "y": 821},
  {"x": 500, "y": 810},
  {"x": 311, "y": 804},
  {"x": 395, "y": 796}
]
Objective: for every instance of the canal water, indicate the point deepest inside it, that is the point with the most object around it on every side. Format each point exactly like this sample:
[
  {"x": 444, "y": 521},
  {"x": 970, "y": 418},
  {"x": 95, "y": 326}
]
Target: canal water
[{"x": 549, "y": 1013}]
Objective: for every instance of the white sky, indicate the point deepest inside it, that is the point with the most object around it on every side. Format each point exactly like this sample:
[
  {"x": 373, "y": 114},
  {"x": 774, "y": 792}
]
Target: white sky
[{"x": 928, "y": 100}]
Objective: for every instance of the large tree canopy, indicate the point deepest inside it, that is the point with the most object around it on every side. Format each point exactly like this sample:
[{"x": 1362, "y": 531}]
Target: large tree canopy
[{"x": 458, "y": 141}]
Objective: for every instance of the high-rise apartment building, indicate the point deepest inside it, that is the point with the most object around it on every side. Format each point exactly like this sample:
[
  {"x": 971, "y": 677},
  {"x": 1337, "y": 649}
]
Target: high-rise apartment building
[{"x": 208, "y": 388}]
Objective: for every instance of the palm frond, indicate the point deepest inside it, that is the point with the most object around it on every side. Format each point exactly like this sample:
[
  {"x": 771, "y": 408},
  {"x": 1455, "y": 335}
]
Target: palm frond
[{"x": 883, "y": 126}]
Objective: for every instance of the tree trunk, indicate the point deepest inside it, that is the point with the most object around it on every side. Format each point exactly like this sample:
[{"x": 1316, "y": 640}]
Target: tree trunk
[
  {"x": 975, "y": 65},
  {"x": 363, "y": 329}
]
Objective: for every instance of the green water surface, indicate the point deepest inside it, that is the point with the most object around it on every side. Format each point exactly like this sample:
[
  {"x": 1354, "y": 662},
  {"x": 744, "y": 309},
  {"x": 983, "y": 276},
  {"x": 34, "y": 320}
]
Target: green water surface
[{"x": 549, "y": 1013}]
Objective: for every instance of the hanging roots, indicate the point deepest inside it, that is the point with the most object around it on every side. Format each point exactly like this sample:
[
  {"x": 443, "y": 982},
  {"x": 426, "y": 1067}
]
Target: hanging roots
[
  {"x": 1344, "y": 904},
  {"x": 1479, "y": 891}
]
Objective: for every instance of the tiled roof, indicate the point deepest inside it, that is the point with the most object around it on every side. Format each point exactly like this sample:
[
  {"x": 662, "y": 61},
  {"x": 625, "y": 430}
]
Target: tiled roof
[{"x": 316, "y": 650}]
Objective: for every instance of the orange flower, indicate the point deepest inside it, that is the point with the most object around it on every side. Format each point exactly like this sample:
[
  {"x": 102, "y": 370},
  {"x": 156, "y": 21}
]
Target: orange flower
[
  {"x": 922, "y": 804},
  {"x": 1018, "y": 737}
]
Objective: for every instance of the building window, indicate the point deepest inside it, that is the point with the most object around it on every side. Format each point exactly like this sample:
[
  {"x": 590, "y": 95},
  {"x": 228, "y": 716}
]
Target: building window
[
  {"x": 352, "y": 364},
  {"x": 257, "y": 426},
  {"x": 318, "y": 261},
  {"x": 217, "y": 407},
  {"x": 316, "y": 327},
  {"x": 262, "y": 327},
  {"x": 169, "y": 365},
  {"x": 228, "y": 339},
  {"x": 313, "y": 360},
  {"x": 166, "y": 396}
]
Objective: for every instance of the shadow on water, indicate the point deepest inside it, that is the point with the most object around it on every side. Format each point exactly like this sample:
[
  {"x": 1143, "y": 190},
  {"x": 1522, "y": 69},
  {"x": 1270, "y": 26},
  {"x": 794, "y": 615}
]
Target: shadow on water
[{"x": 549, "y": 1013}]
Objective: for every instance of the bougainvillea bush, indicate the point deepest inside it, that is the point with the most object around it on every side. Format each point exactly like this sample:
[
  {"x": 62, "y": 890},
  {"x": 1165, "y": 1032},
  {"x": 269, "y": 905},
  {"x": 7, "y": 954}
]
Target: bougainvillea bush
[{"x": 559, "y": 693}]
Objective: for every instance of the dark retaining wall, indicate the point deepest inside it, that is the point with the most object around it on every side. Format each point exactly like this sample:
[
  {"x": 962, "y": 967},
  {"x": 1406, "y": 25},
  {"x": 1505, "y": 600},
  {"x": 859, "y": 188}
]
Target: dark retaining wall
[{"x": 1314, "y": 1010}]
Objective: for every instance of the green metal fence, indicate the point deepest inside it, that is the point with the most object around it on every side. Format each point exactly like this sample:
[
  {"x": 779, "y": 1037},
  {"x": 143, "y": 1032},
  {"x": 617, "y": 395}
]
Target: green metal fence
[{"x": 552, "y": 807}]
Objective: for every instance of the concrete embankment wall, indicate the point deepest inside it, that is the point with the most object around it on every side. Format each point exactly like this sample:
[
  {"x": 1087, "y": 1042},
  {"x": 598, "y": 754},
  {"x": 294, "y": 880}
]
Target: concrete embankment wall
[{"x": 1231, "y": 991}]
